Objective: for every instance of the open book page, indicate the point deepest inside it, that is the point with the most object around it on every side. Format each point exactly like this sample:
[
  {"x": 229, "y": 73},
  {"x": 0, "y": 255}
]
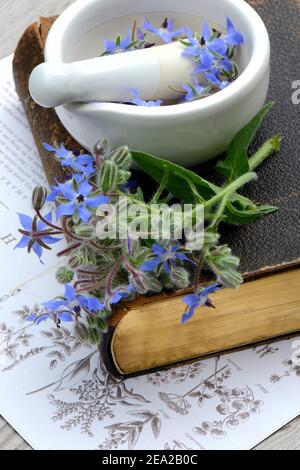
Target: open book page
[
  {"x": 21, "y": 170},
  {"x": 55, "y": 391}
]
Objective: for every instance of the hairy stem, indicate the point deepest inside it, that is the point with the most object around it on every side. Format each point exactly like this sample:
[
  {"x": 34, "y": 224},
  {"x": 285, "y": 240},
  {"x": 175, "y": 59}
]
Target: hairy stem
[
  {"x": 112, "y": 274},
  {"x": 270, "y": 146},
  {"x": 198, "y": 271},
  {"x": 69, "y": 249},
  {"x": 231, "y": 188},
  {"x": 161, "y": 187},
  {"x": 56, "y": 227},
  {"x": 67, "y": 231}
]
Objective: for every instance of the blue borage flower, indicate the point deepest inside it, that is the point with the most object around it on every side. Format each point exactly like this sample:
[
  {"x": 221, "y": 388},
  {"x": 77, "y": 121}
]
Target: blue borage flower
[
  {"x": 119, "y": 45},
  {"x": 216, "y": 81},
  {"x": 57, "y": 190},
  {"x": 165, "y": 31},
  {"x": 120, "y": 294},
  {"x": 33, "y": 242},
  {"x": 140, "y": 34},
  {"x": 164, "y": 258},
  {"x": 66, "y": 308},
  {"x": 139, "y": 102},
  {"x": 79, "y": 199},
  {"x": 205, "y": 49},
  {"x": 194, "y": 90},
  {"x": 218, "y": 65},
  {"x": 198, "y": 300},
  {"x": 83, "y": 163},
  {"x": 233, "y": 37}
]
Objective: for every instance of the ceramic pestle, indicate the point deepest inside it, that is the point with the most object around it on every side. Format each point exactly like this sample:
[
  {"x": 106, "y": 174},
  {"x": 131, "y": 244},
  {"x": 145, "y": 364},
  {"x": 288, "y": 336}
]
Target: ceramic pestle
[{"x": 109, "y": 78}]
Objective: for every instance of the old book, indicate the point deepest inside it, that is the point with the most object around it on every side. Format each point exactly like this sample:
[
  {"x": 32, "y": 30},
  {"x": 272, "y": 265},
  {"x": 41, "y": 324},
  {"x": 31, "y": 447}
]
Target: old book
[{"x": 147, "y": 333}]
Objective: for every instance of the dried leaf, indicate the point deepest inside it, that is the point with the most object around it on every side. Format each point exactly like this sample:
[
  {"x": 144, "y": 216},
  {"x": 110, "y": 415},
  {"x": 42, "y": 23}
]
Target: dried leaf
[
  {"x": 47, "y": 334},
  {"x": 74, "y": 373},
  {"x": 156, "y": 426},
  {"x": 195, "y": 394},
  {"x": 141, "y": 414},
  {"x": 134, "y": 436}
]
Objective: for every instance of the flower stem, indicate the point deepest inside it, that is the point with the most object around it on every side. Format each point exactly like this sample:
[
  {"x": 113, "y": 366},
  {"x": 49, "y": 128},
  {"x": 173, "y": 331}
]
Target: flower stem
[
  {"x": 133, "y": 30},
  {"x": 67, "y": 231},
  {"x": 161, "y": 187},
  {"x": 270, "y": 146},
  {"x": 198, "y": 271},
  {"x": 69, "y": 249},
  {"x": 85, "y": 271},
  {"x": 112, "y": 274},
  {"x": 231, "y": 188},
  {"x": 40, "y": 234},
  {"x": 218, "y": 215},
  {"x": 56, "y": 227}
]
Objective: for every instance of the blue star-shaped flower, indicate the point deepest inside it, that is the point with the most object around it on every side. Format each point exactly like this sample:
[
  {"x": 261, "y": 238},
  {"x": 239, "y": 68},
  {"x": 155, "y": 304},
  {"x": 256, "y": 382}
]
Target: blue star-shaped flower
[
  {"x": 31, "y": 241},
  {"x": 71, "y": 304},
  {"x": 82, "y": 163},
  {"x": 81, "y": 200},
  {"x": 193, "y": 301},
  {"x": 140, "y": 34},
  {"x": 216, "y": 81},
  {"x": 57, "y": 190},
  {"x": 120, "y": 294},
  {"x": 166, "y": 31},
  {"x": 205, "y": 49},
  {"x": 216, "y": 66},
  {"x": 119, "y": 45},
  {"x": 166, "y": 257},
  {"x": 139, "y": 102},
  {"x": 193, "y": 91},
  {"x": 233, "y": 37}
]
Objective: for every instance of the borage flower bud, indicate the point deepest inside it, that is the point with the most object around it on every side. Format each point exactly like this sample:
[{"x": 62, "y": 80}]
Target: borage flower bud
[
  {"x": 121, "y": 157},
  {"x": 140, "y": 282},
  {"x": 155, "y": 285},
  {"x": 81, "y": 331},
  {"x": 39, "y": 197},
  {"x": 180, "y": 277},
  {"x": 230, "y": 278},
  {"x": 140, "y": 254},
  {"x": 85, "y": 231},
  {"x": 88, "y": 255},
  {"x": 123, "y": 176},
  {"x": 75, "y": 261},
  {"x": 64, "y": 275},
  {"x": 108, "y": 176}
]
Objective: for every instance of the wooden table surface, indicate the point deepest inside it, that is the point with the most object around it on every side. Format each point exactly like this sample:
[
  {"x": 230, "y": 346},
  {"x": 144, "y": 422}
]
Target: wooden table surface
[{"x": 15, "y": 15}]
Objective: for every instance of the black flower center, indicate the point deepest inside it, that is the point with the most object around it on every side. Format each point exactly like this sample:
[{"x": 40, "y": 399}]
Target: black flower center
[
  {"x": 165, "y": 24},
  {"x": 77, "y": 309},
  {"x": 202, "y": 41},
  {"x": 80, "y": 198}
]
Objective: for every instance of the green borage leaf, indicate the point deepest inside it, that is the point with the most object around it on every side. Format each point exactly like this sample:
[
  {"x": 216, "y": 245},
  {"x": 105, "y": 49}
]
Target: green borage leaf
[
  {"x": 180, "y": 180},
  {"x": 236, "y": 162},
  {"x": 189, "y": 187}
]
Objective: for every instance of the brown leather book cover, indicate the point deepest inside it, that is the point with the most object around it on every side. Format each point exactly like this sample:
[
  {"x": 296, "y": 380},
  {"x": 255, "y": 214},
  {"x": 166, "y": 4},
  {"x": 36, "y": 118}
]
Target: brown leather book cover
[{"x": 267, "y": 246}]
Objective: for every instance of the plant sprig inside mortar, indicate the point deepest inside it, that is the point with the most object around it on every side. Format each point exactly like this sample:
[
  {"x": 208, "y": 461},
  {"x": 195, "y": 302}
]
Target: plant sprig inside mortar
[
  {"x": 102, "y": 272},
  {"x": 212, "y": 53}
]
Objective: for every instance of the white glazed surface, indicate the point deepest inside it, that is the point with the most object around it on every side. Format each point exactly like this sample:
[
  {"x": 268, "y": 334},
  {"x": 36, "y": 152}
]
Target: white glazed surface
[{"x": 188, "y": 133}]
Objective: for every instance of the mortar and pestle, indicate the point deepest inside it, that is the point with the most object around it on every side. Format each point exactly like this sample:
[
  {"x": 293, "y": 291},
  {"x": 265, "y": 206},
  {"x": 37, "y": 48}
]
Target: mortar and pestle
[{"x": 88, "y": 91}]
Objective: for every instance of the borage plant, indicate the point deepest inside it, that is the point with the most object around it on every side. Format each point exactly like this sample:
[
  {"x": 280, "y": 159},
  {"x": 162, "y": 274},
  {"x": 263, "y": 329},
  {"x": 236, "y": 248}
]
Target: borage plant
[
  {"x": 109, "y": 263},
  {"x": 212, "y": 52}
]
